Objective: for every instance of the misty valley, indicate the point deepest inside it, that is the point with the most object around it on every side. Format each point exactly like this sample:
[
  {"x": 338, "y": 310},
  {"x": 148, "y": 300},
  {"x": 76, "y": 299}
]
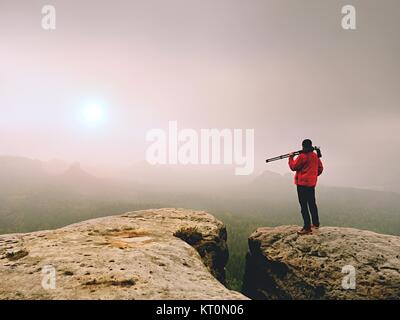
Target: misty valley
[{"x": 36, "y": 196}]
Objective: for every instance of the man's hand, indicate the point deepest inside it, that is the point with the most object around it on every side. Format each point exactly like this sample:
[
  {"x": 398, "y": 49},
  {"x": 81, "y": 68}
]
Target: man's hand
[{"x": 291, "y": 155}]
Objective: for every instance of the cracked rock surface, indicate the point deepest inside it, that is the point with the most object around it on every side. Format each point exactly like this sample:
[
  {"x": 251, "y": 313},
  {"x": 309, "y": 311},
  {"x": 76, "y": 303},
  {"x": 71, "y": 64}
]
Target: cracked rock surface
[
  {"x": 131, "y": 256},
  {"x": 282, "y": 265}
]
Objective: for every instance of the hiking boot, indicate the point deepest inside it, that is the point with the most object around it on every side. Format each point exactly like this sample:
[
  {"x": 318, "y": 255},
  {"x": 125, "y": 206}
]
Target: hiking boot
[
  {"x": 315, "y": 226},
  {"x": 304, "y": 231}
]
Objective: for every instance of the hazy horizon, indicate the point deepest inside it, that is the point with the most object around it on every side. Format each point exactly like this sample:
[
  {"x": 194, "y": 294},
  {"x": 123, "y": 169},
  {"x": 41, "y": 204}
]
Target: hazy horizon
[{"x": 283, "y": 68}]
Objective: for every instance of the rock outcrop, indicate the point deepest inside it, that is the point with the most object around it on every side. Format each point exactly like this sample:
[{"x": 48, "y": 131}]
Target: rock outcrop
[
  {"x": 282, "y": 265},
  {"x": 137, "y": 255}
]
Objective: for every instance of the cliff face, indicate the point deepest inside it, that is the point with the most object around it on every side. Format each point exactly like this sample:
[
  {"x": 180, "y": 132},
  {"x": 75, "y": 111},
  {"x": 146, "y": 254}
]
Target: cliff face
[
  {"x": 138, "y": 255},
  {"x": 282, "y": 265}
]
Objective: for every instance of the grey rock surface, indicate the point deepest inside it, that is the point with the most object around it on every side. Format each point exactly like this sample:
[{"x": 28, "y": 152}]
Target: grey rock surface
[
  {"x": 131, "y": 256},
  {"x": 282, "y": 265}
]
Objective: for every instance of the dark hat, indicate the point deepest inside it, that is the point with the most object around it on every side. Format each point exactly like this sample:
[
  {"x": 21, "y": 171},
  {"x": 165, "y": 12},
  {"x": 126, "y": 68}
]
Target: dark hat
[{"x": 307, "y": 145}]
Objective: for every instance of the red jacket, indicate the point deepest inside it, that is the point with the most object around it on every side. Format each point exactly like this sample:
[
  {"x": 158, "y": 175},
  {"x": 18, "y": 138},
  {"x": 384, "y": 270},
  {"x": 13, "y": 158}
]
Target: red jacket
[{"x": 308, "y": 167}]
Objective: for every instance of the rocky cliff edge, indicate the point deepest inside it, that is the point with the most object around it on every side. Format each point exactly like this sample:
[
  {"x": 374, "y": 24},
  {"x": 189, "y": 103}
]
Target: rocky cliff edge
[
  {"x": 332, "y": 263},
  {"x": 150, "y": 254}
]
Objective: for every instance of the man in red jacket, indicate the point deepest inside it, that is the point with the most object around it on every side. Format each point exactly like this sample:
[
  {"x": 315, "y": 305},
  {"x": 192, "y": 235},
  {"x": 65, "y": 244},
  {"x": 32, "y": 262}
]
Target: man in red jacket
[{"x": 308, "y": 167}]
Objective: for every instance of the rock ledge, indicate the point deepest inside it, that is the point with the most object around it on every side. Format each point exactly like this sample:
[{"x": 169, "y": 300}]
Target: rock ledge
[
  {"x": 282, "y": 265},
  {"x": 131, "y": 256}
]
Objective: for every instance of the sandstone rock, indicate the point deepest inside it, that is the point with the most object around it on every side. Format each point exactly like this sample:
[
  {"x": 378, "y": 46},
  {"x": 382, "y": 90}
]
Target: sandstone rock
[
  {"x": 131, "y": 256},
  {"x": 282, "y": 265}
]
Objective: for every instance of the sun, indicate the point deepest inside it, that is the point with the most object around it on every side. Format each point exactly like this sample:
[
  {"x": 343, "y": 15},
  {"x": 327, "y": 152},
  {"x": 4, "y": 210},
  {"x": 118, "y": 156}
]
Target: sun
[{"x": 93, "y": 113}]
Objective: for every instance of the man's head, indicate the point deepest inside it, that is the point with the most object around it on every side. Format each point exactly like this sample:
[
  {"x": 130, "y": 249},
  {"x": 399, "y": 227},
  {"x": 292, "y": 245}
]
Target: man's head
[{"x": 307, "y": 145}]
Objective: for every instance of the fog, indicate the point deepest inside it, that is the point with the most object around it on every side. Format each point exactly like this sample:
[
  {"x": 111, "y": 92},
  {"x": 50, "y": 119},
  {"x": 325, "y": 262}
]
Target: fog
[{"x": 286, "y": 69}]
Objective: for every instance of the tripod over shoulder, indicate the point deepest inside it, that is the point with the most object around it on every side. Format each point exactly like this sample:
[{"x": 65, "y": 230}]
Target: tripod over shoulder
[{"x": 296, "y": 153}]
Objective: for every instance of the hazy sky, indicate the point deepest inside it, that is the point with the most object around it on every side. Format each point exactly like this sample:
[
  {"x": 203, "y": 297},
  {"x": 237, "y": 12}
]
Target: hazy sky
[{"x": 285, "y": 68}]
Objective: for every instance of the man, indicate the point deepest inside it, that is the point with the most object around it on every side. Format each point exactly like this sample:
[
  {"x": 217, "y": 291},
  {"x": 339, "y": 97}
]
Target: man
[{"x": 308, "y": 167}]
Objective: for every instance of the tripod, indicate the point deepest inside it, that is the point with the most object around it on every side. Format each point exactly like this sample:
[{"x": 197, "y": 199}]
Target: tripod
[{"x": 287, "y": 155}]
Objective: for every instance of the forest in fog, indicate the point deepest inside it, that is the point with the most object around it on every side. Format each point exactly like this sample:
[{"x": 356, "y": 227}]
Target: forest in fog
[{"x": 36, "y": 195}]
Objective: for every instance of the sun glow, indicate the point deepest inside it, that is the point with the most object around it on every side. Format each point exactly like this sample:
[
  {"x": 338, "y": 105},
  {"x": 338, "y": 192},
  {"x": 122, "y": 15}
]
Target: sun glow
[{"x": 93, "y": 114}]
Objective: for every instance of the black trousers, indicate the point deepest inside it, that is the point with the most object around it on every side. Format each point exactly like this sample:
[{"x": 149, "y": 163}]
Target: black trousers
[{"x": 307, "y": 201}]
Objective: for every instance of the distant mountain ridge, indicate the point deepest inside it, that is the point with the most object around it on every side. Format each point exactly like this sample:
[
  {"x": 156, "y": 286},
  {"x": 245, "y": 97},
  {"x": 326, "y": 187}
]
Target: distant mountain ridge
[{"x": 28, "y": 189}]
